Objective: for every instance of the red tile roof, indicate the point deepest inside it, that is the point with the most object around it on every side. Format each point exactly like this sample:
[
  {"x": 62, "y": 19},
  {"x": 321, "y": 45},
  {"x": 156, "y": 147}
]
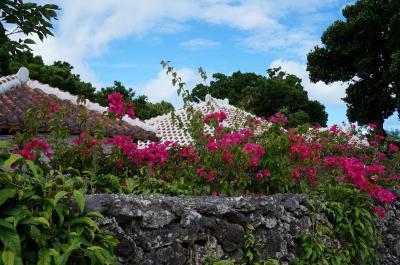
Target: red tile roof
[{"x": 16, "y": 101}]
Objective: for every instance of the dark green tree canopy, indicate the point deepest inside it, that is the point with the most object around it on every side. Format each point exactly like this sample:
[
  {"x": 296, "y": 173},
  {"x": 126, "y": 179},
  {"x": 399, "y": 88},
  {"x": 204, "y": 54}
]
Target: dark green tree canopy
[
  {"x": 143, "y": 108},
  {"x": 265, "y": 96},
  {"x": 127, "y": 93},
  {"x": 363, "y": 50}
]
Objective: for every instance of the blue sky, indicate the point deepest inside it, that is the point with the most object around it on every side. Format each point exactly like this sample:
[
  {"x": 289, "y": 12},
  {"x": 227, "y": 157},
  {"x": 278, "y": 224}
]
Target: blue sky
[{"x": 126, "y": 40}]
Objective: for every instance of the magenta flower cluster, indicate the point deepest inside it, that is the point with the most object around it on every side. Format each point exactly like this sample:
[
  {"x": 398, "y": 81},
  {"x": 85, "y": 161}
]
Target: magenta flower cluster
[{"x": 117, "y": 106}]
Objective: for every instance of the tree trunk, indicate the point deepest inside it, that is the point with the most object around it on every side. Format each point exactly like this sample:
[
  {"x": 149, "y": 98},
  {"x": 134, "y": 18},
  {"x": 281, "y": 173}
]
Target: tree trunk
[{"x": 380, "y": 130}]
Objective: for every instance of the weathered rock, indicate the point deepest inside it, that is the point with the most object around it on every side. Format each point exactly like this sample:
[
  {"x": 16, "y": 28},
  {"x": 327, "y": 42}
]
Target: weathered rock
[
  {"x": 156, "y": 218},
  {"x": 191, "y": 230}
]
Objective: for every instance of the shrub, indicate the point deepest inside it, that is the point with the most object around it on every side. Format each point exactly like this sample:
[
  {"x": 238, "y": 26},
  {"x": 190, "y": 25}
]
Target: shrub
[{"x": 37, "y": 225}]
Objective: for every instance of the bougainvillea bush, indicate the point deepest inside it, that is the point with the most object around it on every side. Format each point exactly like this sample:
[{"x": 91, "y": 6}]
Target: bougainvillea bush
[{"x": 225, "y": 161}]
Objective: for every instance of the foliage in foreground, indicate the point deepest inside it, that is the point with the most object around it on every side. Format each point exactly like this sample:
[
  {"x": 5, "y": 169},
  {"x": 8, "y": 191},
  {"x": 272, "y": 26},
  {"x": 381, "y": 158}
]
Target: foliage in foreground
[{"x": 37, "y": 224}]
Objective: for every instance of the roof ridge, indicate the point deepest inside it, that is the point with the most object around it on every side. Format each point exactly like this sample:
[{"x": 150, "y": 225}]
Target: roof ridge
[
  {"x": 218, "y": 104},
  {"x": 11, "y": 81}
]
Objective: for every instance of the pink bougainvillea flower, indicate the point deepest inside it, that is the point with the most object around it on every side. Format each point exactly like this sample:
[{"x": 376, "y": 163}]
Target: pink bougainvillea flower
[
  {"x": 228, "y": 157},
  {"x": 383, "y": 195},
  {"x": 190, "y": 154},
  {"x": 261, "y": 175},
  {"x": 210, "y": 176},
  {"x": 393, "y": 148},
  {"x": 218, "y": 116},
  {"x": 81, "y": 138},
  {"x": 200, "y": 172},
  {"x": 116, "y": 104},
  {"x": 374, "y": 143},
  {"x": 295, "y": 174},
  {"x": 372, "y": 125},
  {"x": 85, "y": 142},
  {"x": 335, "y": 129},
  {"x": 212, "y": 145},
  {"x": 374, "y": 177},
  {"x": 31, "y": 147},
  {"x": 380, "y": 211},
  {"x": 255, "y": 152},
  {"x": 129, "y": 110},
  {"x": 379, "y": 137},
  {"x": 379, "y": 169},
  {"x": 246, "y": 133},
  {"x": 278, "y": 118}
]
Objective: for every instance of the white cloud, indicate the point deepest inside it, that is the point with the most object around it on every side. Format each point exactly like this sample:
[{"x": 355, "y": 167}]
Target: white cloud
[
  {"x": 296, "y": 42},
  {"x": 86, "y": 28},
  {"x": 161, "y": 88},
  {"x": 197, "y": 44},
  {"x": 326, "y": 94}
]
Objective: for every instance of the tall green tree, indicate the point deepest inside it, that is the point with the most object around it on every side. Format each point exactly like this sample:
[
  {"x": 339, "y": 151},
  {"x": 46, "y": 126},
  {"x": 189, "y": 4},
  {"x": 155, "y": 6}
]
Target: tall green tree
[
  {"x": 363, "y": 50},
  {"x": 265, "y": 95},
  {"x": 31, "y": 19}
]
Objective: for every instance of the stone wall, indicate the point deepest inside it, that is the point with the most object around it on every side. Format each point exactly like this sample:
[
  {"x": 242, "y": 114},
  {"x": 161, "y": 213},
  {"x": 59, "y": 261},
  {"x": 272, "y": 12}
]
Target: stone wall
[
  {"x": 188, "y": 230},
  {"x": 390, "y": 230}
]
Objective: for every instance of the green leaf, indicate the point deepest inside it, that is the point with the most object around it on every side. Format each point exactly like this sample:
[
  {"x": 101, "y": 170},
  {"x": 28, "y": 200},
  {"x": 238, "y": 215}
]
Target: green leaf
[
  {"x": 29, "y": 41},
  {"x": 37, "y": 171},
  {"x": 10, "y": 237},
  {"x": 60, "y": 209},
  {"x": 54, "y": 253},
  {"x": 62, "y": 260},
  {"x": 357, "y": 211},
  {"x": 94, "y": 214},
  {"x": 80, "y": 200},
  {"x": 36, "y": 221},
  {"x": 58, "y": 196},
  {"x": 95, "y": 248},
  {"x": 44, "y": 257},
  {"x": 6, "y": 194},
  {"x": 5, "y": 144},
  {"x": 37, "y": 236},
  {"x": 19, "y": 212},
  {"x": 8, "y": 257},
  {"x": 11, "y": 160},
  {"x": 130, "y": 184},
  {"x": 83, "y": 220}
]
